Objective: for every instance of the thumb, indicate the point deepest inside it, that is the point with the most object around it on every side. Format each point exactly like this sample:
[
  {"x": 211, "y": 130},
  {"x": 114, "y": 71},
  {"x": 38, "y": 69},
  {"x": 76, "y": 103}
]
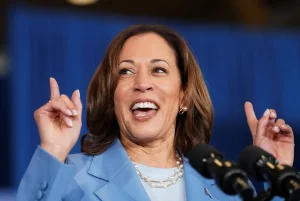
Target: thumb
[
  {"x": 262, "y": 127},
  {"x": 77, "y": 102}
]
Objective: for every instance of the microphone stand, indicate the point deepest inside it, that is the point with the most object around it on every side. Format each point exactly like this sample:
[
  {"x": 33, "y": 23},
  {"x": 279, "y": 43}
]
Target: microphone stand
[
  {"x": 268, "y": 195},
  {"x": 244, "y": 190},
  {"x": 247, "y": 195},
  {"x": 292, "y": 186},
  {"x": 265, "y": 195}
]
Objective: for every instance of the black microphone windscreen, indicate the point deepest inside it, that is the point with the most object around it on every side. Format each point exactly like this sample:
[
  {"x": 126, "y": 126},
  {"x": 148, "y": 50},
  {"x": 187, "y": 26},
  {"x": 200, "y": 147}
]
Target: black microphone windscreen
[
  {"x": 249, "y": 157},
  {"x": 198, "y": 153}
]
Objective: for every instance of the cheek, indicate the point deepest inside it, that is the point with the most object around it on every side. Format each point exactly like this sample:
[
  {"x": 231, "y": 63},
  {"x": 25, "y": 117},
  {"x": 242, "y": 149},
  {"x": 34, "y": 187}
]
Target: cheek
[
  {"x": 172, "y": 91},
  {"x": 120, "y": 97},
  {"x": 119, "y": 92},
  {"x": 117, "y": 95},
  {"x": 171, "y": 96},
  {"x": 117, "y": 100}
]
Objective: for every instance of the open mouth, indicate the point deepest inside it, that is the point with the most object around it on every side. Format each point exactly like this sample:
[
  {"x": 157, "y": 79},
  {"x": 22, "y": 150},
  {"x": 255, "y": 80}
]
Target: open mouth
[{"x": 144, "y": 109}]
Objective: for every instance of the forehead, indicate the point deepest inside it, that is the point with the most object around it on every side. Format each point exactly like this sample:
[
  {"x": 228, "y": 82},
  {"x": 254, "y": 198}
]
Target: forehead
[{"x": 148, "y": 46}]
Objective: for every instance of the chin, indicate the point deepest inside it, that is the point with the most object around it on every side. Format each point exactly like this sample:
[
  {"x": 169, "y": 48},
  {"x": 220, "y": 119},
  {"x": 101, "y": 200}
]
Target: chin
[{"x": 145, "y": 135}]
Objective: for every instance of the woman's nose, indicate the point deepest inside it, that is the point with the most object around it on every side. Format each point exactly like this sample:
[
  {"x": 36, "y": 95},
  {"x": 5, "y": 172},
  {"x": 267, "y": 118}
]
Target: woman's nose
[{"x": 143, "y": 82}]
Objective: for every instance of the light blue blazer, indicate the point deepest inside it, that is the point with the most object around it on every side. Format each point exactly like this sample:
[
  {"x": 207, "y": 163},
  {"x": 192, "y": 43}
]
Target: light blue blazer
[{"x": 109, "y": 176}]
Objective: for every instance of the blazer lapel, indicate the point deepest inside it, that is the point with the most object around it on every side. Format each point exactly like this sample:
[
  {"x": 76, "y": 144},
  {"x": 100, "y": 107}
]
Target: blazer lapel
[
  {"x": 120, "y": 181},
  {"x": 196, "y": 186},
  {"x": 115, "y": 167}
]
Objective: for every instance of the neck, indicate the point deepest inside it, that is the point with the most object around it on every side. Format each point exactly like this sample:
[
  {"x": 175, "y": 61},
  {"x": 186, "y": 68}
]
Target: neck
[{"x": 158, "y": 153}]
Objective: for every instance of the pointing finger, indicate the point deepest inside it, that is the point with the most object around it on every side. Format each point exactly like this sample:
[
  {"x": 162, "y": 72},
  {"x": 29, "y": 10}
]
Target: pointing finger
[
  {"x": 251, "y": 117},
  {"x": 54, "y": 89}
]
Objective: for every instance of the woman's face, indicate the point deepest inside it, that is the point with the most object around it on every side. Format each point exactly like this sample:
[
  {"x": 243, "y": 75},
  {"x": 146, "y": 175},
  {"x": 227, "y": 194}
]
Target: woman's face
[{"x": 148, "y": 93}]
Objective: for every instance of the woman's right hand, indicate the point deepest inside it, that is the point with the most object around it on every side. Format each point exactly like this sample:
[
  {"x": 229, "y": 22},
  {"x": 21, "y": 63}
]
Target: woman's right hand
[{"x": 59, "y": 122}]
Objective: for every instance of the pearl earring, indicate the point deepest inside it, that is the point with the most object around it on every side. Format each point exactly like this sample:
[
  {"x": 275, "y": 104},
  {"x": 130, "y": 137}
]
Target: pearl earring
[{"x": 182, "y": 110}]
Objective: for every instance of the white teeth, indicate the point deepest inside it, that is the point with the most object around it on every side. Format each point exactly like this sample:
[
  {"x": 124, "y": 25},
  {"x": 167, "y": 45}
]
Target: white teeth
[{"x": 144, "y": 105}]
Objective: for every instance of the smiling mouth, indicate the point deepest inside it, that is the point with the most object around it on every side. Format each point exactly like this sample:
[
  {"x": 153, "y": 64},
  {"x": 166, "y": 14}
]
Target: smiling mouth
[{"x": 144, "y": 110}]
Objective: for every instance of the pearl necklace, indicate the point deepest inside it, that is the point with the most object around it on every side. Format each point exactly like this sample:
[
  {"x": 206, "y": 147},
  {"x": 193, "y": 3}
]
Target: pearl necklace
[{"x": 178, "y": 173}]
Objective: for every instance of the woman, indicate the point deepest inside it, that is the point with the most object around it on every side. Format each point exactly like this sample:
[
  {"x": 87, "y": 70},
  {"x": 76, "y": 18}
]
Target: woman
[{"x": 147, "y": 106}]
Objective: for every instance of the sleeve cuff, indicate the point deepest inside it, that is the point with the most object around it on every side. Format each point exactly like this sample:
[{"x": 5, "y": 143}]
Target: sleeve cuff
[{"x": 45, "y": 178}]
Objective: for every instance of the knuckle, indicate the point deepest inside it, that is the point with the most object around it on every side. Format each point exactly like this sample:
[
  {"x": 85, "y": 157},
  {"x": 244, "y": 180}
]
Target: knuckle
[
  {"x": 64, "y": 97},
  {"x": 58, "y": 105},
  {"x": 37, "y": 114},
  {"x": 66, "y": 100},
  {"x": 61, "y": 102},
  {"x": 54, "y": 101},
  {"x": 259, "y": 123},
  {"x": 288, "y": 127}
]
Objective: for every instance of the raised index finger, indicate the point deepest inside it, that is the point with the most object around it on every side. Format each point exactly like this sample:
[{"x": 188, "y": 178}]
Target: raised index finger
[
  {"x": 54, "y": 89},
  {"x": 251, "y": 117}
]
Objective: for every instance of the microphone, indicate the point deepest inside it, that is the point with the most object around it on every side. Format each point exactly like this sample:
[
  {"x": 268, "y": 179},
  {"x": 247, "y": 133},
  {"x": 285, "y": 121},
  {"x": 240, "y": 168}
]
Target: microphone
[
  {"x": 229, "y": 177},
  {"x": 284, "y": 180}
]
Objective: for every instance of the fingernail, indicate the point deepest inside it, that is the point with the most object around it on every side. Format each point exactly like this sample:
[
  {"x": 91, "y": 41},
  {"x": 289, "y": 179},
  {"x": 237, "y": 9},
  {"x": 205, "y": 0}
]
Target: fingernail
[
  {"x": 267, "y": 112},
  {"x": 74, "y": 112},
  {"x": 70, "y": 123},
  {"x": 282, "y": 126},
  {"x": 273, "y": 114},
  {"x": 69, "y": 112},
  {"x": 78, "y": 92},
  {"x": 276, "y": 129}
]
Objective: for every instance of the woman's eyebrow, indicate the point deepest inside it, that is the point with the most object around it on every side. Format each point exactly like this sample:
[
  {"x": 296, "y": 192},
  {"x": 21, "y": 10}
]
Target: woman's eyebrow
[
  {"x": 128, "y": 60},
  {"x": 158, "y": 60},
  {"x": 152, "y": 61}
]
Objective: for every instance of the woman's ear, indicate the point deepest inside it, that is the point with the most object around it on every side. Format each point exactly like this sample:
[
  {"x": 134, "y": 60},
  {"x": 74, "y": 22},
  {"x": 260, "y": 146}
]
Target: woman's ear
[
  {"x": 182, "y": 102},
  {"x": 183, "y": 105}
]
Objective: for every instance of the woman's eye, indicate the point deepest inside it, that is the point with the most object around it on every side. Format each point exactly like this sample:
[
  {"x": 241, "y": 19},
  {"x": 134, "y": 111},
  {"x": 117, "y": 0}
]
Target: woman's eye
[
  {"x": 159, "y": 70},
  {"x": 125, "y": 71}
]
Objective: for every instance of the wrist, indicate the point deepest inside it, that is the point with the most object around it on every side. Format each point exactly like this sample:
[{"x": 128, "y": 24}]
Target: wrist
[{"x": 56, "y": 151}]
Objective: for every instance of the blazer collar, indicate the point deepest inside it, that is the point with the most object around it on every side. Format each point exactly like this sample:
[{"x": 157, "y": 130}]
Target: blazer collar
[
  {"x": 123, "y": 183},
  {"x": 196, "y": 186},
  {"x": 108, "y": 164}
]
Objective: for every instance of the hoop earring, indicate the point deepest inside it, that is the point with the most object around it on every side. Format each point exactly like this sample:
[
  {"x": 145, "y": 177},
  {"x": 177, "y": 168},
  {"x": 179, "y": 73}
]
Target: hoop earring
[{"x": 182, "y": 110}]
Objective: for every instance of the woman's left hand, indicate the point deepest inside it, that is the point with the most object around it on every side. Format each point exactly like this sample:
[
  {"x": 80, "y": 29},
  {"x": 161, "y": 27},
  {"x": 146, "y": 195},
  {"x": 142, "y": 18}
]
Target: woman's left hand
[{"x": 275, "y": 137}]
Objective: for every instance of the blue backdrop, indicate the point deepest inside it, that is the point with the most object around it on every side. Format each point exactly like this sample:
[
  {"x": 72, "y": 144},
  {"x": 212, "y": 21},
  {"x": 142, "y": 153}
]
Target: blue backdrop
[{"x": 238, "y": 64}]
